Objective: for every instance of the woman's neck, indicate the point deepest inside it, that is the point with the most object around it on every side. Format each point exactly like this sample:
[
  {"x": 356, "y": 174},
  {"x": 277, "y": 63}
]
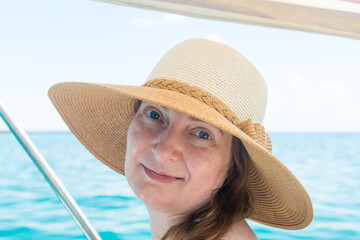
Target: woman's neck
[{"x": 160, "y": 222}]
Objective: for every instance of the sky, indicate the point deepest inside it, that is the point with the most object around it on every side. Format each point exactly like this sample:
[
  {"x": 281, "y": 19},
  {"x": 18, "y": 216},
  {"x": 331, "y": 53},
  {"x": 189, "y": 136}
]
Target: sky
[{"x": 313, "y": 80}]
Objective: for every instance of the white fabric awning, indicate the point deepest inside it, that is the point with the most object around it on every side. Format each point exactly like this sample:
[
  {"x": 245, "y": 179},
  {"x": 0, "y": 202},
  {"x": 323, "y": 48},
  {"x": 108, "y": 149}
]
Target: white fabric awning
[{"x": 335, "y": 17}]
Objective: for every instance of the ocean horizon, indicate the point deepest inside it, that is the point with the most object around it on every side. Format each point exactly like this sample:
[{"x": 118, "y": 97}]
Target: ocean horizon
[{"x": 326, "y": 163}]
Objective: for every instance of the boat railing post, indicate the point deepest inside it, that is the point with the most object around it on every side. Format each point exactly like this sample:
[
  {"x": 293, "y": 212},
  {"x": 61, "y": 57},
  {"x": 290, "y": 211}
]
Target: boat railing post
[{"x": 48, "y": 174}]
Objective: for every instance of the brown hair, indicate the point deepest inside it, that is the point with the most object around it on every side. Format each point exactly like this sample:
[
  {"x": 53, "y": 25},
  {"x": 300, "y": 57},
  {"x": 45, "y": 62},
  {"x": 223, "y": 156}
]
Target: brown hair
[{"x": 228, "y": 205}]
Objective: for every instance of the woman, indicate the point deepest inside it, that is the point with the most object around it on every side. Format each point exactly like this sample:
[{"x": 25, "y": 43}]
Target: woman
[{"x": 191, "y": 144}]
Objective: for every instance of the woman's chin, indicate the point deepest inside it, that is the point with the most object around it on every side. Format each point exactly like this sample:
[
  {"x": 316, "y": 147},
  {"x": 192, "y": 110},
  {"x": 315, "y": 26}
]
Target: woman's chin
[
  {"x": 163, "y": 201},
  {"x": 154, "y": 197}
]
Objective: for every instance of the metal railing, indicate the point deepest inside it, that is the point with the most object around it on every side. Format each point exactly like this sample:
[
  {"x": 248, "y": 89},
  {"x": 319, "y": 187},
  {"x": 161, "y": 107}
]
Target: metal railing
[{"x": 48, "y": 174}]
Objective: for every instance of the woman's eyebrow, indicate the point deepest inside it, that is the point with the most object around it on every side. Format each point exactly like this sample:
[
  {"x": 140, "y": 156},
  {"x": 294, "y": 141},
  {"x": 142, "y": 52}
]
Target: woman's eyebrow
[
  {"x": 191, "y": 118},
  {"x": 165, "y": 108}
]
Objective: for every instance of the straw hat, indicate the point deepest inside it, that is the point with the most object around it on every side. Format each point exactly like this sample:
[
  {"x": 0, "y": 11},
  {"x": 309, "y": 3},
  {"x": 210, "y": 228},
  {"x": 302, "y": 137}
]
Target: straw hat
[{"x": 209, "y": 81}]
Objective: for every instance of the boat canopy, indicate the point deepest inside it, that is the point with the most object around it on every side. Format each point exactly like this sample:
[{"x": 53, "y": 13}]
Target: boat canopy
[{"x": 334, "y": 17}]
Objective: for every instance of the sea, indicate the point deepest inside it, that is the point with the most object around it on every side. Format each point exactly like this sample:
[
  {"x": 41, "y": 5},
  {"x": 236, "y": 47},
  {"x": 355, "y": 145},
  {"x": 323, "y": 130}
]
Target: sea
[{"x": 327, "y": 164}]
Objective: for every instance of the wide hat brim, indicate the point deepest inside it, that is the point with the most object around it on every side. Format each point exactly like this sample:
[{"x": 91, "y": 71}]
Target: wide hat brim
[{"x": 99, "y": 116}]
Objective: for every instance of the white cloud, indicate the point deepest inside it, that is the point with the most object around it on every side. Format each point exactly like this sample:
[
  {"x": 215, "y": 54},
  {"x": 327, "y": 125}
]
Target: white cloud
[
  {"x": 329, "y": 93},
  {"x": 175, "y": 18},
  {"x": 144, "y": 22},
  {"x": 215, "y": 37},
  {"x": 304, "y": 104}
]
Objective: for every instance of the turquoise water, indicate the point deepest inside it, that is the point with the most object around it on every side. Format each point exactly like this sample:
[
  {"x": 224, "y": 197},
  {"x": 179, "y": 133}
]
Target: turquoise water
[{"x": 328, "y": 165}]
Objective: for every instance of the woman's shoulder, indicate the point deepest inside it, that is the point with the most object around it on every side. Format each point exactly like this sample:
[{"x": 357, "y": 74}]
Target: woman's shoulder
[{"x": 240, "y": 231}]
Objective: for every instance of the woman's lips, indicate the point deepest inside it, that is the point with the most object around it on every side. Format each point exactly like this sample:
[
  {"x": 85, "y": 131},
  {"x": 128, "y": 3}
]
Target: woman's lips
[{"x": 160, "y": 177}]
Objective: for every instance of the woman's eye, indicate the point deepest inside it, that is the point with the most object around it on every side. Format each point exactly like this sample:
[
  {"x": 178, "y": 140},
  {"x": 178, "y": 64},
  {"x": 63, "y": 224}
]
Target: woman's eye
[
  {"x": 203, "y": 135},
  {"x": 153, "y": 114}
]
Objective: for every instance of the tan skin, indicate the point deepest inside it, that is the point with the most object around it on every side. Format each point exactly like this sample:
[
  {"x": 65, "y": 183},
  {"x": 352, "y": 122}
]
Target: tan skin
[{"x": 173, "y": 164}]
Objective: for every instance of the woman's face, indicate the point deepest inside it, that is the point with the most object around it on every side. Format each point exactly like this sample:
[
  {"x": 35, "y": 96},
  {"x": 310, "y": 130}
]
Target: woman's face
[{"x": 174, "y": 161}]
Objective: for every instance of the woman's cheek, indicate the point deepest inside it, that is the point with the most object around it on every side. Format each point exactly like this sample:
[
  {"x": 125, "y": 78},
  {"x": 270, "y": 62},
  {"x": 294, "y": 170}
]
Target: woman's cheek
[
  {"x": 132, "y": 146},
  {"x": 139, "y": 140},
  {"x": 207, "y": 167}
]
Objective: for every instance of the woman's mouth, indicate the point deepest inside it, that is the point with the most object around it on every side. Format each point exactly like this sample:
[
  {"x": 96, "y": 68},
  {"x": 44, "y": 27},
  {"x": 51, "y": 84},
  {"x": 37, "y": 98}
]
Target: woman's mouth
[{"x": 160, "y": 177}]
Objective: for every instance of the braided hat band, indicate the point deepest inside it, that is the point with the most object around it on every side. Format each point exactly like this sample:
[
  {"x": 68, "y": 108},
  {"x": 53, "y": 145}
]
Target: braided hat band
[{"x": 253, "y": 130}]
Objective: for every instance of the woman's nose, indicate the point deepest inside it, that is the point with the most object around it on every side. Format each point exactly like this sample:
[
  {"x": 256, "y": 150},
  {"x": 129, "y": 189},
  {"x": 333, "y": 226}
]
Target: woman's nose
[{"x": 168, "y": 146}]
